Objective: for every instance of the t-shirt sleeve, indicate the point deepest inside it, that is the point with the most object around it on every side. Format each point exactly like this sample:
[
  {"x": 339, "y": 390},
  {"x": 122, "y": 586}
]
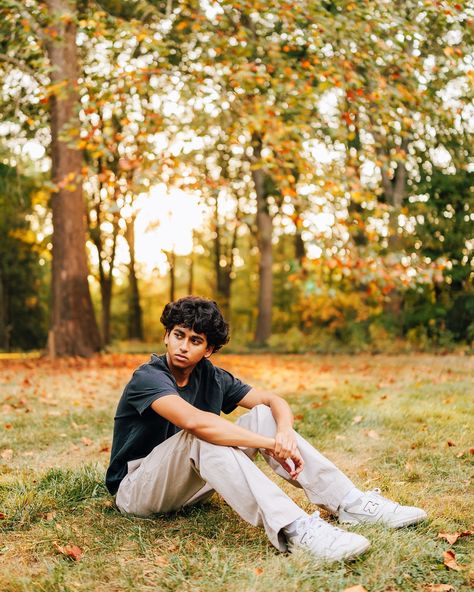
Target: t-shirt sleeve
[
  {"x": 147, "y": 385},
  {"x": 233, "y": 390}
]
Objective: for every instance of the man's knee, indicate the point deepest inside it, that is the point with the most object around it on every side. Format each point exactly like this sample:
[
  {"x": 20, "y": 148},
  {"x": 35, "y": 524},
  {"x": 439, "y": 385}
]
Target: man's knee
[{"x": 262, "y": 410}]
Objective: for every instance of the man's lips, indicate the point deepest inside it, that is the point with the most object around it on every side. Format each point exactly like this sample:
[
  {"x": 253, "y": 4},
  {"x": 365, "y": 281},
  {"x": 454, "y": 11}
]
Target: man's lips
[{"x": 180, "y": 357}]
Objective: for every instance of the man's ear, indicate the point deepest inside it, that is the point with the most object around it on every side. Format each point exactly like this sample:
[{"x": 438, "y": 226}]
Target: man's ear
[
  {"x": 167, "y": 334},
  {"x": 209, "y": 351}
]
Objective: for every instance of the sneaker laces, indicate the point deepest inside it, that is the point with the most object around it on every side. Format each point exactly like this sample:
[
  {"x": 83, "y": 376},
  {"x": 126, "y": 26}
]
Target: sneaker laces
[{"x": 313, "y": 523}]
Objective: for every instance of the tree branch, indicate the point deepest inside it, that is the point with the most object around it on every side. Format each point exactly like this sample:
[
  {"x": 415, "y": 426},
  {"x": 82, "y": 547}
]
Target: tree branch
[{"x": 20, "y": 65}]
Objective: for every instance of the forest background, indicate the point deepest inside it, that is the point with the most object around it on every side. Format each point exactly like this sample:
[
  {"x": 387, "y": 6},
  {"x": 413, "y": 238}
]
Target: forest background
[{"x": 307, "y": 164}]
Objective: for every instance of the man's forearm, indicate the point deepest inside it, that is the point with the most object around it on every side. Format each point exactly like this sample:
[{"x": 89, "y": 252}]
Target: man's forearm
[
  {"x": 217, "y": 430},
  {"x": 281, "y": 413}
]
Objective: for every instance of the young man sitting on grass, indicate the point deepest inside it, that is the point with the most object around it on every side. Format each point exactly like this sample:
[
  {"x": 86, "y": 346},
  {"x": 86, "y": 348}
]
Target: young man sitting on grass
[{"x": 171, "y": 448}]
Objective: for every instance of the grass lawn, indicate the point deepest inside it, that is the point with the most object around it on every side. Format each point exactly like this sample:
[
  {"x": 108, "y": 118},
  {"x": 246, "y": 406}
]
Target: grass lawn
[{"x": 404, "y": 424}]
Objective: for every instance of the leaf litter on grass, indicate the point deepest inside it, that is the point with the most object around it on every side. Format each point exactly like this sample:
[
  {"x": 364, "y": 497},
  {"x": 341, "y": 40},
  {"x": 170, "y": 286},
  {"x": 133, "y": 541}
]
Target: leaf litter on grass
[{"x": 327, "y": 395}]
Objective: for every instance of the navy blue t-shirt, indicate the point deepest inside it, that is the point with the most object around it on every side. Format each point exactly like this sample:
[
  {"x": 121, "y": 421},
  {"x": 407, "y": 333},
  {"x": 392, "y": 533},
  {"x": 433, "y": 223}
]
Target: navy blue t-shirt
[{"x": 138, "y": 429}]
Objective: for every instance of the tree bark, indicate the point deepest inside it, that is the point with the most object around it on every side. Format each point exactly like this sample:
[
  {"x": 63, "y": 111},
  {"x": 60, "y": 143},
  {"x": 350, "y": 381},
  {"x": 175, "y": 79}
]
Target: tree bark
[
  {"x": 4, "y": 340},
  {"x": 171, "y": 257},
  {"x": 264, "y": 243},
  {"x": 74, "y": 329},
  {"x": 135, "y": 322}
]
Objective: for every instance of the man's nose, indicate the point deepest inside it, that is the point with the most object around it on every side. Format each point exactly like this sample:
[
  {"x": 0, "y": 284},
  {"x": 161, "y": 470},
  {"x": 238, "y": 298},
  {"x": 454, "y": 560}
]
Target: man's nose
[{"x": 184, "y": 345}]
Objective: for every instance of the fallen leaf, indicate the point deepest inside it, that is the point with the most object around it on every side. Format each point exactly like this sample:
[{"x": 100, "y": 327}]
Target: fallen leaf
[
  {"x": 440, "y": 588},
  {"x": 449, "y": 560},
  {"x": 453, "y": 537},
  {"x": 340, "y": 437},
  {"x": 450, "y": 443},
  {"x": 471, "y": 450},
  {"x": 2, "y": 516},
  {"x": 357, "y": 396},
  {"x": 357, "y": 419},
  {"x": 258, "y": 571},
  {"x": 161, "y": 560},
  {"x": 357, "y": 588},
  {"x": 50, "y": 516},
  {"x": 86, "y": 441},
  {"x": 8, "y": 426},
  {"x": 299, "y": 416},
  {"x": 7, "y": 454},
  {"x": 108, "y": 503},
  {"x": 71, "y": 551},
  {"x": 104, "y": 448},
  {"x": 373, "y": 434}
]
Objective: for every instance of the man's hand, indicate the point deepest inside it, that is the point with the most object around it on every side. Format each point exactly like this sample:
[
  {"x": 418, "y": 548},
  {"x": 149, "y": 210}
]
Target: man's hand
[
  {"x": 285, "y": 443},
  {"x": 286, "y": 449},
  {"x": 293, "y": 464}
]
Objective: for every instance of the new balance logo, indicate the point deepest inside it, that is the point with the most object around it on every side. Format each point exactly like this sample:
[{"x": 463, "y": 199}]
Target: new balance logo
[{"x": 371, "y": 508}]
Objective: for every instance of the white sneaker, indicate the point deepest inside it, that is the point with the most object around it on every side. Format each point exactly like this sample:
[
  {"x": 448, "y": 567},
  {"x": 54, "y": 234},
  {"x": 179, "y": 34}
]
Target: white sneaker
[
  {"x": 373, "y": 508},
  {"x": 325, "y": 541}
]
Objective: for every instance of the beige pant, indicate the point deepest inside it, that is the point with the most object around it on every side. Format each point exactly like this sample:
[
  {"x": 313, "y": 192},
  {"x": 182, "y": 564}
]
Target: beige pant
[{"x": 184, "y": 470}]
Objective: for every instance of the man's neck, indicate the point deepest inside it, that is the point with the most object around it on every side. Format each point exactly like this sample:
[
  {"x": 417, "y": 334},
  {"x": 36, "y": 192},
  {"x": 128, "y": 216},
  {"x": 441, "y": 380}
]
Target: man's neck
[{"x": 181, "y": 375}]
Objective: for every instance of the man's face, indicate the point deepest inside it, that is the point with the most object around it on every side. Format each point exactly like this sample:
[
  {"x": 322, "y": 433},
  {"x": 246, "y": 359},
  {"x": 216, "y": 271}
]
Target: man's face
[{"x": 186, "y": 347}]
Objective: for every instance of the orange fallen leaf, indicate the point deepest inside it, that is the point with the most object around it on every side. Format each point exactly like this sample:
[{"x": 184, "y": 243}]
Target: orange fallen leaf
[
  {"x": 7, "y": 454},
  {"x": 450, "y": 443},
  {"x": 357, "y": 588},
  {"x": 104, "y": 448},
  {"x": 50, "y": 516},
  {"x": 2, "y": 516},
  {"x": 299, "y": 416},
  {"x": 453, "y": 537},
  {"x": 71, "y": 551},
  {"x": 161, "y": 560},
  {"x": 357, "y": 396},
  {"x": 449, "y": 560},
  {"x": 258, "y": 571},
  {"x": 439, "y": 588},
  {"x": 373, "y": 434}
]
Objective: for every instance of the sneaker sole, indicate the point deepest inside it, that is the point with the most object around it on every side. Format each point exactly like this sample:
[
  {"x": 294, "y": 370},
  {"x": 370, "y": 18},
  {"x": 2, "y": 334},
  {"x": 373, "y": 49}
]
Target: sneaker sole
[
  {"x": 355, "y": 552},
  {"x": 362, "y": 548},
  {"x": 400, "y": 524}
]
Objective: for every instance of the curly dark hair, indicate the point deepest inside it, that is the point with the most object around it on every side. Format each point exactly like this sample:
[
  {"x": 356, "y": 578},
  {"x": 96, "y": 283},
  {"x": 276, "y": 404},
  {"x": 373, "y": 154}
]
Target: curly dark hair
[{"x": 199, "y": 314}]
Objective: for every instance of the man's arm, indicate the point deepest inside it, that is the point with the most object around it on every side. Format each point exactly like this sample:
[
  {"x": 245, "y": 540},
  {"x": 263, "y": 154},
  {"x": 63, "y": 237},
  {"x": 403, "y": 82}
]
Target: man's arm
[
  {"x": 208, "y": 426},
  {"x": 286, "y": 446}
]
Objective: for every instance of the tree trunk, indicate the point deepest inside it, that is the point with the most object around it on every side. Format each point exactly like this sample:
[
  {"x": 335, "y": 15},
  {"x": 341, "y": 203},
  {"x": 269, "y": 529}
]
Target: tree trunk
[
  {"x": 74, "y": 328},
  {"x": 300, "y": 248},
  {"x": 135, "y": 322},
  {"x": 4, "y": 341},
  {"x": 264, "y": 242},
  {"x": 171, "y": 256},
  {"x": 106, "y": 296}
]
